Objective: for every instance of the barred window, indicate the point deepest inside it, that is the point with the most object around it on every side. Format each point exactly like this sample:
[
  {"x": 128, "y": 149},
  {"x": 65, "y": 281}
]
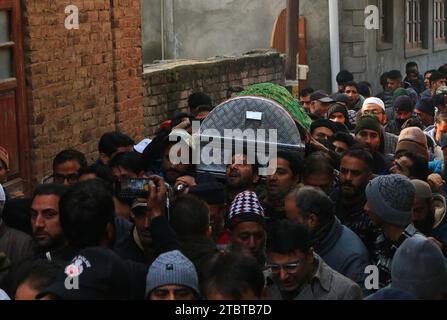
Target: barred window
[
  {"x": 439, "y": 21},
  {"x": 414, "y": 24}
]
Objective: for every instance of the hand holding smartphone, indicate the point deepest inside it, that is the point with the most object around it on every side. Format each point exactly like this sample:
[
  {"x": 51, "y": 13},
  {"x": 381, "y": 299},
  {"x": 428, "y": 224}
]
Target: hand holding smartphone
[{"x": 157, "y": 197}]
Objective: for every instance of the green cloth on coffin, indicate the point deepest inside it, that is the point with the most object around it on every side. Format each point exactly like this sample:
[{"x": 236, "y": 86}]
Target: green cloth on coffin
[{"x": 282, "y": 96}]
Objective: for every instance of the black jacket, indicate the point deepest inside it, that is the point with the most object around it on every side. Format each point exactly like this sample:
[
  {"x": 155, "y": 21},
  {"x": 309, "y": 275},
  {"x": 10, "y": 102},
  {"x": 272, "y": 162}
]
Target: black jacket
[
  {"x": 198, "y": 249},
  {"x": 163, "y": 240}
]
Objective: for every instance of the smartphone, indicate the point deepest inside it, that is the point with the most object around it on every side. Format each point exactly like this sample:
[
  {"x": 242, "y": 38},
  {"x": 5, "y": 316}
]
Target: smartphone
[{"x": 134, "y": 188}]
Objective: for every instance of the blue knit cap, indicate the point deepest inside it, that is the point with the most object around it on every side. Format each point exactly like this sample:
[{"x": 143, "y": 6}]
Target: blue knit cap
[
  {"x": 172, "y": 268},
  {"x": 426, "y": 106}
]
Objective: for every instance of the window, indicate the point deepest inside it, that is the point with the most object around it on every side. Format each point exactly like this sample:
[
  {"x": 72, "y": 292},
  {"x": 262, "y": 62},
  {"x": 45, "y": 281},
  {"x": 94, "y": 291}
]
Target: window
[
  {"x": 6, "y": 46},
  {"x": 439, "y": 25},
  {"x": 386, "y": 21},
  {"x": 413, "y": 14},
  {"x": 416, "y": 24}
]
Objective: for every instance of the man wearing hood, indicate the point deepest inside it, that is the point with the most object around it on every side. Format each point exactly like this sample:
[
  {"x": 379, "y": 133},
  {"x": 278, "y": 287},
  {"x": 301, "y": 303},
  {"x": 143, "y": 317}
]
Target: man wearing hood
[
  {"x": 368, "y": 132},
  {"x": 429, "y": 214},
  {"x": 436, "y": 131},
  {"x": 403, "y": 110}
]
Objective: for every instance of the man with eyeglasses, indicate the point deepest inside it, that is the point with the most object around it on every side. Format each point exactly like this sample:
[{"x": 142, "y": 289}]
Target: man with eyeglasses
[
  {"x": 66, "y": 166},
  {"x": 297, "y": 273},
  {"x": 375, "y": 107}
]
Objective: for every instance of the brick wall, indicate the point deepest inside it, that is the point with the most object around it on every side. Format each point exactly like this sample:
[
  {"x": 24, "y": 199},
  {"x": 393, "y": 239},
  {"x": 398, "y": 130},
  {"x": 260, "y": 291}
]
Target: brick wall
[
  {"x": 167, "y": 86},
  {"x": 126, "y": 28},
  {"x": 81, "y": 83}
]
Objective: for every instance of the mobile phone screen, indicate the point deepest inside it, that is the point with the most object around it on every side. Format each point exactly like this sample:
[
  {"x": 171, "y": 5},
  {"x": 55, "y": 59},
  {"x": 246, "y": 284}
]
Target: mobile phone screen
[{"x": 135, "y": 187}]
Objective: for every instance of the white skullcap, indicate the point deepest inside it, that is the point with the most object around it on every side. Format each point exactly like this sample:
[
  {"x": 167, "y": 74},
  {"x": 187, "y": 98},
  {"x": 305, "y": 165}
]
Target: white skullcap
[{"x": 374, "y": 100}]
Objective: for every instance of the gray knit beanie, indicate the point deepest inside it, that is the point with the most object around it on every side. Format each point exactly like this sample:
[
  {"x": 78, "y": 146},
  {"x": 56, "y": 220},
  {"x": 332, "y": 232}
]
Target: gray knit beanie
[
  {"x": 172, "y": 268},
  {"x": 419, "y": 268},
  {"x": 391, "y": 198}
]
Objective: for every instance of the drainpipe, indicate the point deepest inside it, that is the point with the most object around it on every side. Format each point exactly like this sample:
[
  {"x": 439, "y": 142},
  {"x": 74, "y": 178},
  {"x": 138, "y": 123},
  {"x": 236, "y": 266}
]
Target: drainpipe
[
  {"x": 334, "y": 35},
  {"x": 162, "y": 15}
]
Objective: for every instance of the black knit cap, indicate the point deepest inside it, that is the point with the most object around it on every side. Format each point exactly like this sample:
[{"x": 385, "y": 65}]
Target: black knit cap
[
  {"x": 403, "y": 103},
  {"x": 323, "y": 123},
  {"x": 369, "y": 123},
  {"x": 336, "y": 107}
]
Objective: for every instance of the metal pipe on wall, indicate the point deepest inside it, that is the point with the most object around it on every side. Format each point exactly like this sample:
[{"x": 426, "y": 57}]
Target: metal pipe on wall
[
  {"x": 334, "y": 35},
  {"x": 162, "y": 18}
]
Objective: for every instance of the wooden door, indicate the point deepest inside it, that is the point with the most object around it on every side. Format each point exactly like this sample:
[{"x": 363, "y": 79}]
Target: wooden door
[
  {"x": 278, "y": 39},
  {"x": 13, "y": 111}
]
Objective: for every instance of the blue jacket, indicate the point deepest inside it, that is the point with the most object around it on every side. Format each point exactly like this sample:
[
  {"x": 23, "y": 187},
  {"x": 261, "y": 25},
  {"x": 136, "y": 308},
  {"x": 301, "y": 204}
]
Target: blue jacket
[
  {"x": 436, "y": 166},
  {"x": 344, "y": 252}
]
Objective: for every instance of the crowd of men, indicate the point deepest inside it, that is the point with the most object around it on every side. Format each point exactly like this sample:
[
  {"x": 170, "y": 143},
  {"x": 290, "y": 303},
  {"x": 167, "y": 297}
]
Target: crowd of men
[{"x": 362, "y": 215}]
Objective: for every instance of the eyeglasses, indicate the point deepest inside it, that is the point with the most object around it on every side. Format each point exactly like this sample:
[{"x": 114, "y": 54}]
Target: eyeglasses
[
  {"x": 372, "y": 112},
  {"x": 60, "y": 178},
  {"x": 289, "y": 268}
]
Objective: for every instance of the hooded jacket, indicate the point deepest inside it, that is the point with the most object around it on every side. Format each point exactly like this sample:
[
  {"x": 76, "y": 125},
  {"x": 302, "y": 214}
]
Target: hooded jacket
[
  {"x": 436, "y": 150},
  {"x": 440, "y": 225}
]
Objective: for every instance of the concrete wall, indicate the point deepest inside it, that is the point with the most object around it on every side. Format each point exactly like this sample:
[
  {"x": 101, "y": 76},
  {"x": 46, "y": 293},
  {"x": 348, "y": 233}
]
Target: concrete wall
[
  {"x": 366, "y": 59},
  {"x": 196, "y": 29},
  {"x": 316, "y": 13},
  {"x": 204, "y": 28}
]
